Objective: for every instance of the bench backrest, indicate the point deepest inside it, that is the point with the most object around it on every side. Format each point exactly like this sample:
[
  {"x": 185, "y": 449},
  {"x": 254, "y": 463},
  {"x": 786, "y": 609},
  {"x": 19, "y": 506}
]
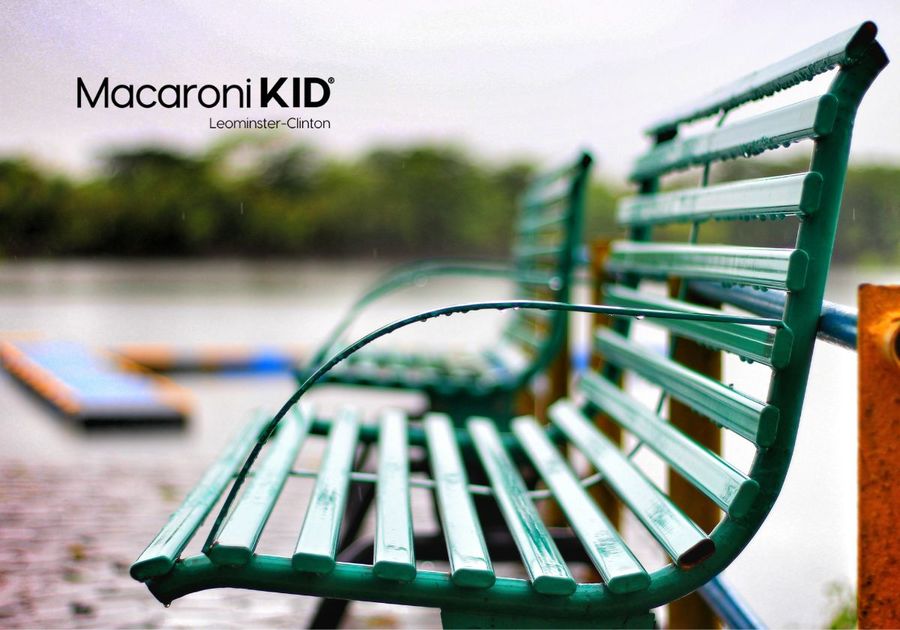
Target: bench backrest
[
  {"x": 545, "y": 253},
  {"x": 639, "y": 267}
]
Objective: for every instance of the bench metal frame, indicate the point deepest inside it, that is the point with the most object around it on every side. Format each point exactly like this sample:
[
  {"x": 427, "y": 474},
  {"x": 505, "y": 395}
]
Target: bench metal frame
[{"x": 470, "y": 594}]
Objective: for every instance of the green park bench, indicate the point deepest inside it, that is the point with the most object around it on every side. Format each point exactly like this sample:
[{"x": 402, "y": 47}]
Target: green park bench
[
  {"x": 546, "y": 247},
  {"x": 485, "y": 475}
]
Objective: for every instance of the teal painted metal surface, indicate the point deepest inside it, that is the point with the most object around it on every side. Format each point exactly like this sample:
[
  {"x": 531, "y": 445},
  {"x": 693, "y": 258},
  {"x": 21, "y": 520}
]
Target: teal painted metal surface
[
  {"x": 589, "y": 602},
  {"x": 685, "y": 543},
  {"x": 755, "y": 266},
  {"x": 269, "y": 429},
  {"x": 394, "y": 554},
  {"x": 769, "y": 197},
  {"x": 752, "y": 343},
  {"x": 816, "y": 238},
  {"x": 618, "y": 567},
  {"x": 470, "y": 563},
  {"x": 240, "y": 533},
  {"x": 730, "y": 489},
  {"x": 546, "y": 568},
  {"x": 811, "y": 118},
  {"x": 317, "y": 544},
  {"x": 160, "y": 555},
  {"x": 844, "y": 48},
  {"x": 698, "y": 558},
  {"x": 726, "y": 406}
]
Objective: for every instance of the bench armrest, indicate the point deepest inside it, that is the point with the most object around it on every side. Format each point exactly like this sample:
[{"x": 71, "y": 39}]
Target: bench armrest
[
  {"x": 412, "y": 274},
  {"x": 324, "y": 367}
]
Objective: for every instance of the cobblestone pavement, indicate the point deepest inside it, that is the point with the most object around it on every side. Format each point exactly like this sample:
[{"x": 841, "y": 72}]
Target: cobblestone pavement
[
  {"x": 68, "y": 536},
  {"x": 77, "y": 508}
]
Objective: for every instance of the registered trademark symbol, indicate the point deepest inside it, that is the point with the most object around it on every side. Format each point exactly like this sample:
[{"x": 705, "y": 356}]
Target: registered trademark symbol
[{"x": 331, "y": 79}]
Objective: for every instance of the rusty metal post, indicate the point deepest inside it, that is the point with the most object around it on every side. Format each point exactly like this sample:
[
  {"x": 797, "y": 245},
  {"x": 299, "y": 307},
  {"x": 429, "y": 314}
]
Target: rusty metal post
[
  {"x": 878, "y": 347},
  {"x": 602, "y": 495},
  {"x": 692, "y": 611}
]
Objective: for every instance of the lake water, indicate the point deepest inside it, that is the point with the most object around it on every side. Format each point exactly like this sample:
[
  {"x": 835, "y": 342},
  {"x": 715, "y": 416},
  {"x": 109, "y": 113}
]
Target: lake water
[{"x": 807, "y": 543}]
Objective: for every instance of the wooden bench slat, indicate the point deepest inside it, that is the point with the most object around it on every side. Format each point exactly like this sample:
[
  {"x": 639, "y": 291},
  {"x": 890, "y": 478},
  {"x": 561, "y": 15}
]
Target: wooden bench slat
[
  {"x": 685, "y": 543},
  {"x": 770, "y": 267},
  {"x": 545, "y": 565},
  {"x": 621, "y": 571},
  {"x": 731, "y": 490},
  {"x": 802, "y": 66},
  {"x": 750, "y": 342},
  {"x": 394, "y": 554},
  {"x": 317, "y": 544},
  {"x": 240, "y": 533},
  {"x": 160, "y": 555},
  {"x": 811, "y": 118},
  {"x": 470, "y": 564},
  {"x": 750, "y": 199},
  {"x": 746, "y": 416}
]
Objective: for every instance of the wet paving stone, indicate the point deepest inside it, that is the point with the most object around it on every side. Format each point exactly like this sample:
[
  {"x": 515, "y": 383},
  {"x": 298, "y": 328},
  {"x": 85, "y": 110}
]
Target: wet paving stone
[{"x": 69, "y": 533}]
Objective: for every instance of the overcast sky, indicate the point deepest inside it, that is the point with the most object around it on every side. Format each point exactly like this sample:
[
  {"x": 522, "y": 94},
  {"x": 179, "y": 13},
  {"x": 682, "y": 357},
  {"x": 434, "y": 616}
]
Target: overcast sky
[{"x": 538, "y": 79}]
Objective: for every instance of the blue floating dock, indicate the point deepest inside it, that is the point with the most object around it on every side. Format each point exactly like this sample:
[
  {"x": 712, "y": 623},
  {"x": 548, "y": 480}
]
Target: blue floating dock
[
  {"x": 229, "y": 359},
  {"x": 93, "y": 387}
]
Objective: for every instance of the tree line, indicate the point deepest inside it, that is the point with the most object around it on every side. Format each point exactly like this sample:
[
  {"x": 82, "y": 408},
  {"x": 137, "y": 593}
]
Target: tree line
[{"x": 262, "y": 198}]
